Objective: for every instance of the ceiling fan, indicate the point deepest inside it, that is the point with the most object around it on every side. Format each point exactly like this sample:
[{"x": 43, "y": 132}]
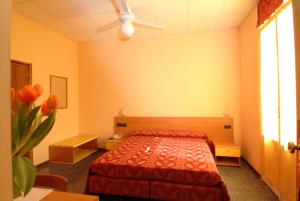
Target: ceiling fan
[{"x": 127, "y": 20}]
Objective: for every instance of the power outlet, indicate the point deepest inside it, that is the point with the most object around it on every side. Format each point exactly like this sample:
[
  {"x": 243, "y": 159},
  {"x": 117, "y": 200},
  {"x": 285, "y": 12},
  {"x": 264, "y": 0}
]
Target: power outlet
[
  {"x": 226, "y": 126},
  {"x": 122, "y": 125}
]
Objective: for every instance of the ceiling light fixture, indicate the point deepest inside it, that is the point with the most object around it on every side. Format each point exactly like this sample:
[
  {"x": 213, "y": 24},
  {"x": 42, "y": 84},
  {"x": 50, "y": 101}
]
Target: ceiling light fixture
[{"x": 127, "y": 29}]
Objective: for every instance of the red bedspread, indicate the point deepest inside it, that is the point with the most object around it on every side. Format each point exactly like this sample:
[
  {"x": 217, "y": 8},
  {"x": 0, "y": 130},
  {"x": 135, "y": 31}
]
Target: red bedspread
[
  {"x": 179, "y": 162},
  {"x": 173, "y": 159}
]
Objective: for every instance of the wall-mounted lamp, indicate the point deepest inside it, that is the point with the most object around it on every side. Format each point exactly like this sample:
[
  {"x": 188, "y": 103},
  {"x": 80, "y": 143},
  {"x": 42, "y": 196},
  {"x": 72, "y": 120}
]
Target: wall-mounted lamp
[
  {"x": 123, "y": 112},
  {"x": 226, "y": 112}
]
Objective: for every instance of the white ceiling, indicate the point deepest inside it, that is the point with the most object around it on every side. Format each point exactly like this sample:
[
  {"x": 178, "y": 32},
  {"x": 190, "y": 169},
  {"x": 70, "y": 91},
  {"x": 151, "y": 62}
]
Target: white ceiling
[{"x": 78, "y": 19}]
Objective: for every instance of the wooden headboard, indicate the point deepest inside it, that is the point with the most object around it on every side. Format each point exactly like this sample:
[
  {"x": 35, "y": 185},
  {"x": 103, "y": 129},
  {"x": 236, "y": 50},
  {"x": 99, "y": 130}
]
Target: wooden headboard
[{"x": 219, "y": 129}]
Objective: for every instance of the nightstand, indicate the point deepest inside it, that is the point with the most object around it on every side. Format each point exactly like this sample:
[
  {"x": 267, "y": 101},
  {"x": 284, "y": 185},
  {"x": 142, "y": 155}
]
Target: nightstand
[
  {"x": 228, "y": 154},
  {"x": 112, "y": 143}
]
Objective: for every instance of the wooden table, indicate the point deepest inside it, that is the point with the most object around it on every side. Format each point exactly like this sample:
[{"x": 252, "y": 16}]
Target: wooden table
[
  {"x": 65, "y": 196},
  {"x": 44, "y": 194}
]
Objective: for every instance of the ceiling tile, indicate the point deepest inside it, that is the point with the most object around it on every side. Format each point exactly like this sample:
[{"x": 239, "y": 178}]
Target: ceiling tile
[
  {"x": 61, "y": 8},
  {"x": 77, "y": 36},
  {"x": 202, "y": 24},
  {"x": 138, "y": 3},
  {"x": 94, "y": 36},
  {"x": 104, "y": 18},
  {"x": 203, "y": 9},
  {"x": 19, "y": 1},
  {"x": 174, "y": 27},
  {"x": 78, "y": 19},
  {"x": 168, "y": 12},
  {"x": 144, "y": 13},
  {"x": 113, "y": 31},
  {"x": 95, "y": 6},
  {"x": 229, "y": 21},
  {"x": 59, "y": 26},
  {"x": 82, "y": 23},
  {"x": 237, "y": 6},
  {"x": 155, "y": 2},
  {"x": 142, "y": 31},
  {"x": 33, "y": 11}
]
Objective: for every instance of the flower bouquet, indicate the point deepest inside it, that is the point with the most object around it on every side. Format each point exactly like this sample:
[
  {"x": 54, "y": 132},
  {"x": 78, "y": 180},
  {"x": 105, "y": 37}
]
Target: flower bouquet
[{"x": 30, "y": 124}]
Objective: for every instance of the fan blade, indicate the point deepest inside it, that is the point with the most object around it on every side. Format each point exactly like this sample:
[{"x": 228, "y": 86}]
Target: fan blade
[
  {"x": 148, "y": 25},
  {"x": 121, "y": 6},
  {"x": 108, "y": 26}
]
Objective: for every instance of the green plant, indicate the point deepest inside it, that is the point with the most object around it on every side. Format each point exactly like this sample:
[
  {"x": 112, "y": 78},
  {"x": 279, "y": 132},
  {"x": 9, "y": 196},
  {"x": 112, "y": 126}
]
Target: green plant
[{"x": 30, "y": 124}]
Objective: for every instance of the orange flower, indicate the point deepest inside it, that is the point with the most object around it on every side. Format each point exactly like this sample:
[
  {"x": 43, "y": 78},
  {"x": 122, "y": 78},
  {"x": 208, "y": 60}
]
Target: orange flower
[
  {"x": 38, "y": 89},
  {"x": 52, "y": 102},
  {"x": 29, "y": 94},
  {"x": 12, "y": 93},
  {"x": 45, "y": 110},
  {"x": 50, "y": 105}
]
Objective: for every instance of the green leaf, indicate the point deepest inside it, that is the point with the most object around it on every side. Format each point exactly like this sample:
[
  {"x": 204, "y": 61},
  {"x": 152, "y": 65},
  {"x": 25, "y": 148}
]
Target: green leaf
[
  {"x": 32, "y": 115},
  {"x": 15, "y": 131},
  {"x": 17, "y": 191},
  {"x": 24, "y": 173},
  {"x": 39, "y": 134},
  {"x": 36, "y": 122},
  {"x": 23, "y": 124},
  {"x": 26, "y": 128}
]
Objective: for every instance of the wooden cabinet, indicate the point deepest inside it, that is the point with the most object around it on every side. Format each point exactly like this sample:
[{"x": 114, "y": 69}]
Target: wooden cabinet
[
  {"x": 228, "y": 154},
  {"x": 112, "y": 143}
]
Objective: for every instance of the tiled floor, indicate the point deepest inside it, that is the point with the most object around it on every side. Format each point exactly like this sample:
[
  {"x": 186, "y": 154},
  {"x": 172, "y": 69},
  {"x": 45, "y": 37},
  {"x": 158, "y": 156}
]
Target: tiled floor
[{"x": 243, "y": 183}]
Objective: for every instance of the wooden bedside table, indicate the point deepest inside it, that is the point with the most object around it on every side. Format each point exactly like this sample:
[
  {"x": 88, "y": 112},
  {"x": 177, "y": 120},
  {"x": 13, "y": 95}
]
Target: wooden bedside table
[
  {"x": 112, "y": 143},
  {"x": 228, "y": 154}
]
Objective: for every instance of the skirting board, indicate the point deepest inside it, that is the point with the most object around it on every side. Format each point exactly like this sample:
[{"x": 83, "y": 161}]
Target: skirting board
[{"x": 272, "y": 188}]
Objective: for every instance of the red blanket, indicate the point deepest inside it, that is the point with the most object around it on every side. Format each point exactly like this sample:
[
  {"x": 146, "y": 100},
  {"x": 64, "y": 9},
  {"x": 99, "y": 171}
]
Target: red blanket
[
  {"x": 180, "y": 159},
  {"x": 174, "y": 159}
]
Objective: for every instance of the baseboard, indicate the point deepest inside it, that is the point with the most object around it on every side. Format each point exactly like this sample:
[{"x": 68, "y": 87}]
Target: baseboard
[
  {"x": 251, "y": 166},
  {"x": 42, "y": 164},
  {"x": 276, "y": 192}
]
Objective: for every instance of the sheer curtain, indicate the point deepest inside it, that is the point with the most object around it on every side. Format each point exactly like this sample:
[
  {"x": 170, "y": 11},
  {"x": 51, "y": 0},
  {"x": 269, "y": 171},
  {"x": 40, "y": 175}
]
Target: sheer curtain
[{"x": 278, "y": 100}]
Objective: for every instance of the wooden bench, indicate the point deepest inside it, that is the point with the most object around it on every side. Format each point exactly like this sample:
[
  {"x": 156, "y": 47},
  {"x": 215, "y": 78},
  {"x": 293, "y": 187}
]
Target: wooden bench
[{"x": 72, "y": 150}]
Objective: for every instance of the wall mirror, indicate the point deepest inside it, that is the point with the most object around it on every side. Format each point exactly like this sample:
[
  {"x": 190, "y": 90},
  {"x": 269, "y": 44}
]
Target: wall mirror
[{"x": 59, "y": 88}]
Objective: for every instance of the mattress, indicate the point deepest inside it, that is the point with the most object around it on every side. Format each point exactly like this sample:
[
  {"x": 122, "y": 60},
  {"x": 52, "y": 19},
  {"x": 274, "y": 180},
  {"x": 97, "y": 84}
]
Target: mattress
[{"x": 186, "y": 160}]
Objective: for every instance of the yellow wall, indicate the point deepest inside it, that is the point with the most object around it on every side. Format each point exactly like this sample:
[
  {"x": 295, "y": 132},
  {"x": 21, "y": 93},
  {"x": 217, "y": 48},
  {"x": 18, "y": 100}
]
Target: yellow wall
[
  {"x": 5, "y": 136},
  {"x": 250, "y": 91},
  {"x": 178, "y": 75},
  {"x": 49, "y": 53}
]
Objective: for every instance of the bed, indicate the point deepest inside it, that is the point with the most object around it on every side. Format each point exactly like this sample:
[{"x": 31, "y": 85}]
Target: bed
[{"x": 160, "y": 164}]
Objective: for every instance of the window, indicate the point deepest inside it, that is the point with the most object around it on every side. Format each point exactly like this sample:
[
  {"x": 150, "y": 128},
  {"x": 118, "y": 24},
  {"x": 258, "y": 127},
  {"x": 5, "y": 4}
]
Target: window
[{"x": 278, "y": 78}]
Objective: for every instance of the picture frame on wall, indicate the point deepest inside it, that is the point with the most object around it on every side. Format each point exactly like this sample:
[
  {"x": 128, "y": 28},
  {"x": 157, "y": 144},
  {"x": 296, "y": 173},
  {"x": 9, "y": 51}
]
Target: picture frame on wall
[{"x": 59, "y": 88}]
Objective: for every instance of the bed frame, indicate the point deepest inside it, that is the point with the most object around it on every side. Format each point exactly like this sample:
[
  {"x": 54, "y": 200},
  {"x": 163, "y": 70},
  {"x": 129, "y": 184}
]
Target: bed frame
[{"x": 218, "y": 129}]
